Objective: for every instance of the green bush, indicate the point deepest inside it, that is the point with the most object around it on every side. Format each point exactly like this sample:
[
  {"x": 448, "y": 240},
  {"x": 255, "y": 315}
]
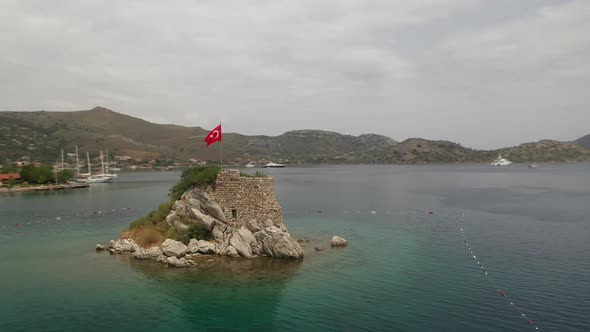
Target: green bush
[
  {"x": 194, "y": 231},
  {"x": 64, "y": 176},
  {"x": 194, "y": 177},
  {"x": 155, "y": 217}
]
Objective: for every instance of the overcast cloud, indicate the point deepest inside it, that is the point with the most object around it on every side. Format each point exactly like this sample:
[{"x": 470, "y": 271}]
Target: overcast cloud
[{"x": 483, "y": 73}]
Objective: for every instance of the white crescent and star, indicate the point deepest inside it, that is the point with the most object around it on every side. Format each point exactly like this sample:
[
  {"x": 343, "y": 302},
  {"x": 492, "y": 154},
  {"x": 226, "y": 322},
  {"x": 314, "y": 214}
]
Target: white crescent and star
[{"x": 214, "y": 134}]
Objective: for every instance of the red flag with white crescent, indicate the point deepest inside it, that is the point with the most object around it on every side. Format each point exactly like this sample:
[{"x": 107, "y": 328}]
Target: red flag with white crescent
[{"x": 214, "y": 136}]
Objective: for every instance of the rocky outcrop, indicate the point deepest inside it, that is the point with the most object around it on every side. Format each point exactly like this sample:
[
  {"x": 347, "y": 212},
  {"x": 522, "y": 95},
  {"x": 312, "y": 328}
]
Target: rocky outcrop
[
  {"x": 237, "y": 238},
  {"x": 151, "y": 253},
  {"x": 253, "y": 226},
  {"x": 338, "y": 241},
  {"x": 123, "y": 246},
  {"x": 203, "y": 247}
]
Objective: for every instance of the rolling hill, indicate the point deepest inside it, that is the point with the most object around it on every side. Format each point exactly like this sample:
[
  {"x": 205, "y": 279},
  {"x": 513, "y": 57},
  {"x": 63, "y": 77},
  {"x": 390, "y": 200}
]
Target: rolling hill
[
  {"x": 41, "y": 135},
  {"x": 583, "y": 141}
]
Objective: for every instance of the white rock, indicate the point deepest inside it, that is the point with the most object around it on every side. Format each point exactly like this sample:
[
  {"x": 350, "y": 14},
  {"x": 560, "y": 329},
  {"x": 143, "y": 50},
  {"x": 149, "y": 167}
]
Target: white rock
[
  {"x": 203, "y": 219},
  {"x": 173, "y": 248},
  {"x": 175, "y": 262},
  {"x": 230, "y": 251},
  {"x": 243, "y": 240},
  {"x": 338, "y": 241}
]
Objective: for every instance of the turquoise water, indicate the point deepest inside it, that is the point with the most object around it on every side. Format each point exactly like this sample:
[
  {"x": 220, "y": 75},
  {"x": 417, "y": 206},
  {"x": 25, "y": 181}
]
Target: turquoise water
[{"x": 404, "y": 269}]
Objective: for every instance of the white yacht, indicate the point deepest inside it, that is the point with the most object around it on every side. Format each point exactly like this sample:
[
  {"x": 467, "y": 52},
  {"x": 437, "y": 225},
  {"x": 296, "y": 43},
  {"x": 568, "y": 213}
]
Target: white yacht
[
  {"x": 250, "y": 165},
  {"x": 273, "y": 165},
  {"x": 501, "y": 161}
]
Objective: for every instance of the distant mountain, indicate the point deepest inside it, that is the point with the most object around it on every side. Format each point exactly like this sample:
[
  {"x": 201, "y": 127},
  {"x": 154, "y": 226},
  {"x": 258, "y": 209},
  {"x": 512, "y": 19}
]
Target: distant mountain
[
  {"x": 418, "y": 150},
  {"x": 41, "y": 135},
  {"x": 583, "y": 141}
]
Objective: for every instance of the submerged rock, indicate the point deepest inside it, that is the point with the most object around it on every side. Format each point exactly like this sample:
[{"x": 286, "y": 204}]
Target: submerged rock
[
  {"x": 175, "y": 262},
  {"x": 338, "y": 241}
]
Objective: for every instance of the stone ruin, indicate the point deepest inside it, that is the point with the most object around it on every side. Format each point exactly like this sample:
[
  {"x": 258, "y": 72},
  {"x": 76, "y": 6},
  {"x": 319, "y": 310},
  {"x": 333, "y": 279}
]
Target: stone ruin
[{"x": 241, "y": 212}]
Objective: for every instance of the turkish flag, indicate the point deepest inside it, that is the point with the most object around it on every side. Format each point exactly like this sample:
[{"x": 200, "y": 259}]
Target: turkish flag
[{"x": 214, "y": 136}]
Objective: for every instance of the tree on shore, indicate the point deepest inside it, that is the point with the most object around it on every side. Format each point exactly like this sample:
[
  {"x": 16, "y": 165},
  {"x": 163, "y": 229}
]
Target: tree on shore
[
  {"x": 37, "y": 174},
  {"x": 64, "y": 176}
]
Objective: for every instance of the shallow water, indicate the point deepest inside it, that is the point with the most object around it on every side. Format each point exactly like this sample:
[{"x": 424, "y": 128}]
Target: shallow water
[{"x": 404, "y": 269}]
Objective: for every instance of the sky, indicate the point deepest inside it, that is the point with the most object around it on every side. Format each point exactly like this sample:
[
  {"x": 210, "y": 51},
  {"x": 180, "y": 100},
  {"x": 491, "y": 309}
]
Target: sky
[{"x": 486, "y": 74}]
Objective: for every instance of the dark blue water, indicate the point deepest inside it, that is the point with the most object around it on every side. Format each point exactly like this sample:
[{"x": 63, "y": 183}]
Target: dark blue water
[{"x": 404, "y": 269}]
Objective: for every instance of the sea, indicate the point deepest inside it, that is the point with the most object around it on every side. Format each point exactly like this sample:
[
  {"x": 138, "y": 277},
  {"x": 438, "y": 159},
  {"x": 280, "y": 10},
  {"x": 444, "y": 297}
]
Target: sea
[{"x": 430, "y": 248}]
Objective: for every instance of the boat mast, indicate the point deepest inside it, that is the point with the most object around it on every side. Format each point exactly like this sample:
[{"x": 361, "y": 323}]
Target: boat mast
[
  {"x": 62, "y": 159},
  {"x": 88, "y": 158},
  {"x": 101, "y": 162},
  {"x": 107, "y": 168},
  {"x": 77, "y": 163}
]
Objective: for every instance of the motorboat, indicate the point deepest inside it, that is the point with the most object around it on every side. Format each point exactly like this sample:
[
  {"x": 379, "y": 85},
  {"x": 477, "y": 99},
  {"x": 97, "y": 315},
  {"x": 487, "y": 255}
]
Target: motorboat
[
  {"x": 273, "y": 165},
  {"x": 250, "y": 165},
  {"x": 533, "y": 166},
  {"x": 500, "y": 161}
]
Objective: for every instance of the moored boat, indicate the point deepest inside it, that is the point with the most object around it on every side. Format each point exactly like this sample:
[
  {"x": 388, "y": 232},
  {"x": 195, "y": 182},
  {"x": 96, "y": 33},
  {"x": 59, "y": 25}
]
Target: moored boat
[
  {"x": 274, "y": 165},
  {"x": 500, "y": 161}
]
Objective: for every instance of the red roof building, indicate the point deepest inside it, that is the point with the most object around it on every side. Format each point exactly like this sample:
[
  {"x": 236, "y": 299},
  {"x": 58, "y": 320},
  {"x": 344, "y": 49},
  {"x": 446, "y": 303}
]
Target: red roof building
[{"x": 6, "y": 177}]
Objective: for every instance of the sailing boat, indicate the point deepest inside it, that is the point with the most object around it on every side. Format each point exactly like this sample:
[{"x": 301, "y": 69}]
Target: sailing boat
[
  {"x": 109, "y": 168},
  {"x": 92, "y": 178},
  {"x": 104, "y": 174}
]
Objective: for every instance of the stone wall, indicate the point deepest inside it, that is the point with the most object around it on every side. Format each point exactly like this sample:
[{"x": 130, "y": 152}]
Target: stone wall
[{"x": 246, "y": 198}]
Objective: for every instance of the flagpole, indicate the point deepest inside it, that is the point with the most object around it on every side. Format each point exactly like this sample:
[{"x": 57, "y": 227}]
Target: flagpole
[{"x": 221, "y": 161}]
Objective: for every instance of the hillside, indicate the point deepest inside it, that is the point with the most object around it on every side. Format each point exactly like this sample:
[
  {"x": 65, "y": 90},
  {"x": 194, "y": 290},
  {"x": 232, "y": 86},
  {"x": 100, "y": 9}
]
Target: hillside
[
  {"x": 419, "y": 151},
  {"x": 546, "y": 151},
  {"x": 583, "y": 141},
  {"x": 40, "y": 135}
]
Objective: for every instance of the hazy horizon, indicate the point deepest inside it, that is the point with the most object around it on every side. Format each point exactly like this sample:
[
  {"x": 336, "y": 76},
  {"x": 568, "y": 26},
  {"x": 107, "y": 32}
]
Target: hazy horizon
[{"x": 483, "y": 74}]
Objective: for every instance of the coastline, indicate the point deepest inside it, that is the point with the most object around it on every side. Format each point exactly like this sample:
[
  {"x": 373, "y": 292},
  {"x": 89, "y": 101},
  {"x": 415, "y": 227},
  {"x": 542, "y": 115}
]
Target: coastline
[{"x": 44, "y": 188}]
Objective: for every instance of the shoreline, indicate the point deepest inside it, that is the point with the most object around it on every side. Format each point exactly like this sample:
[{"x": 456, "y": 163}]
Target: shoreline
[{"x": 45, "y": 188}]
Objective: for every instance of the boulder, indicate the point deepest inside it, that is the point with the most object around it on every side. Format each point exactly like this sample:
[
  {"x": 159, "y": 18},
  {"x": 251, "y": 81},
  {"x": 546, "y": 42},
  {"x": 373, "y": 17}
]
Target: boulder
[
  {"x": 338, "y": 241},
  {"x": 174, "y": 248},
  {"x": 203, "y": 247},
  {"x": 100, "y": 247},
  {"x": 215, "y": 211},
  {"x": 162, "y": 258},
  {"x": 229, "y": 251},
  {"x": 203, "y": 219},
  {"x": 175, "y": 262},
  {"x": 151, "y": 253},
  {"x": 243, "y": 240},
  {"x": 123, "y": 246},
  {"x": 206, "y": 247},
  {"x": 281, "y": 245}
]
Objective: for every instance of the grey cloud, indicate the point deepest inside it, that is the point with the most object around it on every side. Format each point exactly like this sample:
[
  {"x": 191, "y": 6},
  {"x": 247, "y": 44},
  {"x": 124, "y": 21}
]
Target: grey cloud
[{"x": 448, "y": 69}]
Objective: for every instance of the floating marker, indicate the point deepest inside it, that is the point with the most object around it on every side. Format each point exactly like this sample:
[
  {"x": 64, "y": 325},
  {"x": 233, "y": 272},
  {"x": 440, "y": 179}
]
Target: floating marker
[{"x": 502, "y": 292}]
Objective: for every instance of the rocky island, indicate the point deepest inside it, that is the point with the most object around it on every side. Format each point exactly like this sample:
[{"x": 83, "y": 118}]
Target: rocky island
[{"x": 218, "y": 213}]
